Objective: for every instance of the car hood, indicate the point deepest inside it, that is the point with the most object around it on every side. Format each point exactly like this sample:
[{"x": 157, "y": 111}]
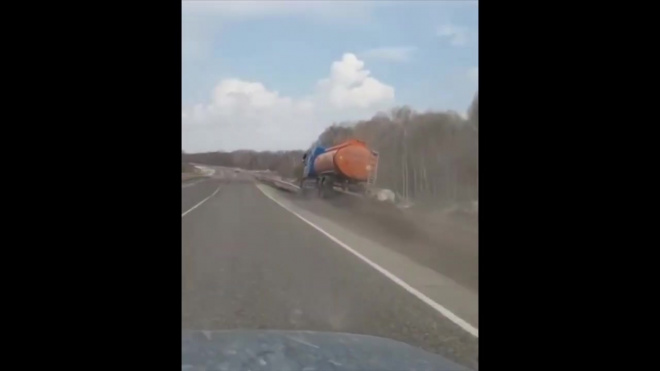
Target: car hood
[{"x": 303, "y": 350}]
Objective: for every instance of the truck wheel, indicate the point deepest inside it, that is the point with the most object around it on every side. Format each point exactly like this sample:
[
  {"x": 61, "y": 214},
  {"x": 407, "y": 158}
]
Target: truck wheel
[
  {"x": 326, "y": 188},
  {"x": 320, "y": 185}
]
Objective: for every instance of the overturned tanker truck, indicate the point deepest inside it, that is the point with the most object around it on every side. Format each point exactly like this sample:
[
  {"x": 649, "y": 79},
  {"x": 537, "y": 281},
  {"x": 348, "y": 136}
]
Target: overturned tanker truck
[{"x": 349, "y": 165}]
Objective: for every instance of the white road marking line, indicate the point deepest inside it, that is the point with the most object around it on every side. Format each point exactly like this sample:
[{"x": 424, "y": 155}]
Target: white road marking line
[
  {"x": 303, "y": 342},
  {"x": 190, "y": 184},
  {"x": 444, "y": 311},
  {"x": 201, "y": 202}
]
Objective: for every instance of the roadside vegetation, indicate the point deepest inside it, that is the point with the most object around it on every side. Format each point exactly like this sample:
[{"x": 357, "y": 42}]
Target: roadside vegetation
[{"x": 430, "y": 158}]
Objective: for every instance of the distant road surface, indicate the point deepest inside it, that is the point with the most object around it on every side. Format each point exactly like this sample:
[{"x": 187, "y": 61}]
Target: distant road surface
[{"x": 249, "y": 262}]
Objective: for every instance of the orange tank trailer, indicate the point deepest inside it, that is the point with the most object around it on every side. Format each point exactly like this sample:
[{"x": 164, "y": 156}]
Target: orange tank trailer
[{"x": 351, "y": 159}]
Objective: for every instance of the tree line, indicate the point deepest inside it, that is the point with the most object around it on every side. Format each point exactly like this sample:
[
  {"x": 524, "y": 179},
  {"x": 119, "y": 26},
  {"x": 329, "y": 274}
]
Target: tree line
[{"x": 429, "y": 157}]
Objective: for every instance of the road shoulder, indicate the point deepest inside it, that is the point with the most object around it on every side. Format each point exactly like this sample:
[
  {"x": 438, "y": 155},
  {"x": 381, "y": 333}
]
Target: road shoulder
[{"x": 458, "y": 300}]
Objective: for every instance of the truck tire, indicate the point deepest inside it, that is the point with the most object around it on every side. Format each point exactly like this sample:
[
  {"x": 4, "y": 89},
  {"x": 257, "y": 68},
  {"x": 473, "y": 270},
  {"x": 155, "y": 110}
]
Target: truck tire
[{"x": 326, "y": 187}]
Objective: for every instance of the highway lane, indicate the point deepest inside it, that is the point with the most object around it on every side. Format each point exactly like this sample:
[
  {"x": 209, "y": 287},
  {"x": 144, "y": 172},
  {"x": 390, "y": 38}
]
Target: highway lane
[
  {"x": 247, "y": 263},
  {"x": 193, "y": 192}
]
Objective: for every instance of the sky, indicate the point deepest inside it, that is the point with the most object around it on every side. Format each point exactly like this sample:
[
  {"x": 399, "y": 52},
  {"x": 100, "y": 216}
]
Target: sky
[{"x": 272, "y": 75}]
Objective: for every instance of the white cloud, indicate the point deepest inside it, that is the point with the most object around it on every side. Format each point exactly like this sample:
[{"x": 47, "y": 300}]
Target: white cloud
[
  {"x": 473, "y": 74},
  {"x": 393, "y": 53},
  {"x": 457, "y": 36},
  {"x": 248, "y": 115},
  {"x": 350, "y": 86}
]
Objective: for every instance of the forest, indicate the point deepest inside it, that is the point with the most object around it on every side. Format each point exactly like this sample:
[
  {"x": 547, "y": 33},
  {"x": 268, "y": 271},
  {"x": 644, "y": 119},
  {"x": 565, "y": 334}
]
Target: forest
[{"x": 429, "y": 158}]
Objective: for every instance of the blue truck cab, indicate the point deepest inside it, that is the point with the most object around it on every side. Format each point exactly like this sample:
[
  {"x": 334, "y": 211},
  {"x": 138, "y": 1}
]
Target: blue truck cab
[
  {"x": 309, "y": 173},
  {"x": 309, "y": 157}
]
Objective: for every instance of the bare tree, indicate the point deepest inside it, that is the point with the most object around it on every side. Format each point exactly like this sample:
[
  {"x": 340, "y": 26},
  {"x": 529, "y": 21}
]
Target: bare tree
[{"x": 431, "y": 158}]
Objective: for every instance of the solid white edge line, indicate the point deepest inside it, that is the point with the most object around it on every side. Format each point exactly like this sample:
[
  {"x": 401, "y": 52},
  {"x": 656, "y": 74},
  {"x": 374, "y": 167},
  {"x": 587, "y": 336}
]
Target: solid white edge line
[
  {"x": 194, "y": 182},
  {"x": 186, "y": 185},
  {"x": 201, "y": 202},
  {"x": 444, "y": 311}
]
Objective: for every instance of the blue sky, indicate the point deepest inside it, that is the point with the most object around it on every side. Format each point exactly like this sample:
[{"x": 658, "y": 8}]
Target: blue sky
[{"x": 252, "y": 70}]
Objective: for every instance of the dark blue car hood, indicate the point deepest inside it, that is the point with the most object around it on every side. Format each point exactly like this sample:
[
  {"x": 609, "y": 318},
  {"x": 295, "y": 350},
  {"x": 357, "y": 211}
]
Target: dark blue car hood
[{"x": 303, "y": 350}]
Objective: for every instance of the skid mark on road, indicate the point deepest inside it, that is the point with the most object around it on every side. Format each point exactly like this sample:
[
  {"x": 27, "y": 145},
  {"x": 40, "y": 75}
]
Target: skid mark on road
[
  {"x": 439, "y": 308},
  {"x": 201, "y": 202}
]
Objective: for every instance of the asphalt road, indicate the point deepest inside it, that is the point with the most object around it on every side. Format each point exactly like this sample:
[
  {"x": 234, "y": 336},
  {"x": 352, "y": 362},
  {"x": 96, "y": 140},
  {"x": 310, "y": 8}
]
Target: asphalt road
[
  {"x": 248, "y": 263},
  {"x": 448, "y": 250}
]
